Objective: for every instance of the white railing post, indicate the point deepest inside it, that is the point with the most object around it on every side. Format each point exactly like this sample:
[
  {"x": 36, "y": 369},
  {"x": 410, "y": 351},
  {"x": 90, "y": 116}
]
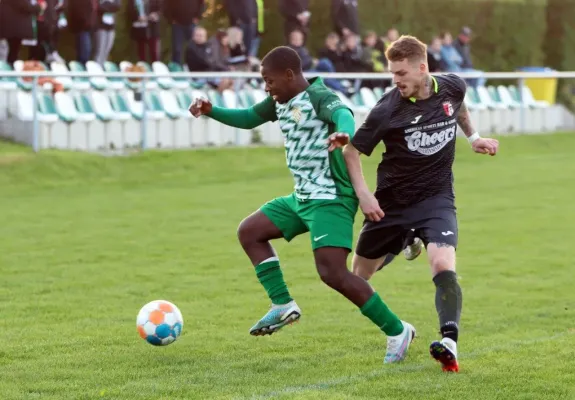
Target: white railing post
[
  {"x": 35, "y": 123},
  {"x": 144, "y": 123}
]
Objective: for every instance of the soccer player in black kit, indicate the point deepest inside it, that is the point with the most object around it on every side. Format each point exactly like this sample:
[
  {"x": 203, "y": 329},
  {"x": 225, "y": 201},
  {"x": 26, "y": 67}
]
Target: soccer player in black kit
[{"x": 417, "y": 121}]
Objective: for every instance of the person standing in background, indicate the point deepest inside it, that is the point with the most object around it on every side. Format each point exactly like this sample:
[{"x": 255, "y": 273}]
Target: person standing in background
[
  {"x": 240, "y": 13},
  {"x": 258, "y": 27},
  {"x": 106, "y": 29},
  {"x": 184, "y": 15},
  {"x": 296, "y": 15},
  {"x": 19, "y": 24},
  {"x": 82, "y": 17},
  {"x": 145, "y": 20},
  {"x": 345, "y": 17}
]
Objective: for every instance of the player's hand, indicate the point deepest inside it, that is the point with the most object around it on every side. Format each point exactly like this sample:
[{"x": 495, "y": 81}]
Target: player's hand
[
  {"x": 200, "y": 107},
  {"x": 485, "y": 146},
  {"x": 336, "y": 140},
  {"x": 370, "y": 207}
]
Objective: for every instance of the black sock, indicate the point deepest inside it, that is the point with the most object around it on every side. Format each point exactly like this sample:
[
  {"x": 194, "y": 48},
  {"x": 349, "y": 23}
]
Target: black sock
[{"x": 448, "y": 302}]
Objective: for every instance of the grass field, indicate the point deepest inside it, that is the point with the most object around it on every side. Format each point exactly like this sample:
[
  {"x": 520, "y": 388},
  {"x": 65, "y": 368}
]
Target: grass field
[{"x": 87, "y": 240}]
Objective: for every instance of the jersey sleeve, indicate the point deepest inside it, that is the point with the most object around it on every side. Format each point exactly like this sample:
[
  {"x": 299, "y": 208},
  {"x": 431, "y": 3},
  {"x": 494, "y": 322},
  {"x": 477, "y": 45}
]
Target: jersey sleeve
[
  {"x": 266, "y": 109},
  {"x": 372, "y": 131},
  {"x": 326, "y": 103}
]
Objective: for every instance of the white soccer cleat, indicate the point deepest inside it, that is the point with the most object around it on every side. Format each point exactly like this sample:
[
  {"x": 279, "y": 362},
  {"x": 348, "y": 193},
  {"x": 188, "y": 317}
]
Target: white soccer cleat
[
  {"x": 397, "y": 345},
  {"x": 413, "y": 251}
]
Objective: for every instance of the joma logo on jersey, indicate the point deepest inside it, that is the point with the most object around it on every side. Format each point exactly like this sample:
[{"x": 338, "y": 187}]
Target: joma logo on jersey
[{"x": 430, "y": 143}]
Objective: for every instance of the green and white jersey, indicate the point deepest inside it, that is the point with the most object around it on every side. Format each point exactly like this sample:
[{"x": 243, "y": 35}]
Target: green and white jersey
[{"x": 306, "y": 123}]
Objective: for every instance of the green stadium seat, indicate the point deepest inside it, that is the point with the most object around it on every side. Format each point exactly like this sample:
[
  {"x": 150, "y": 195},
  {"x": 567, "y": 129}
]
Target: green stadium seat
[
  {"x": 80, "y": 83},
  {"x": 6, "y": 82},
  {"x": 116, "y": 82}
]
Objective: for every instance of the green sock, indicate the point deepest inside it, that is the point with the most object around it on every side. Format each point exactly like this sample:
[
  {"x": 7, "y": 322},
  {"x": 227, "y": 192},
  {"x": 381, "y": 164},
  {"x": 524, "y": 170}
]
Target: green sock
[
  {"x": 378, "y": 312},
  {"x": 270, "y": 276}
]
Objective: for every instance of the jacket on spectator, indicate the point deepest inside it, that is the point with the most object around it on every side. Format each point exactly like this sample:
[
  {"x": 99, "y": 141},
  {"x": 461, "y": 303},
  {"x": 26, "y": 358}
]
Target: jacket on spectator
[
  {"x": 105, "y": 8},
  {"x": 240, "y": 11},
  {"x": 16, "y": 19},
  {"x": 219, "y": 54},
  {"x": 184, "y": 12},
  {"x": 290, "y": 10},
  {"x": 82, "y": 15},
  {"x": 345, "y": 15},
  {"x": 451, "y": 58},
  {"x": 334, "y": 56},
  {"x": 435, "y": 62},
  {"x": 353, "y": 61},
  {"x": 142, "y": 31},
  {"x": 465, "y": 51},
  {"x": 199, "y": 58},
  {"x": 306, "y": 58}
]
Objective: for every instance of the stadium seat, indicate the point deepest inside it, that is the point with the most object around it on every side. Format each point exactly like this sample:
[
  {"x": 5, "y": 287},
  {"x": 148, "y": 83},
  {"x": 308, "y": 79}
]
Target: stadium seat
[
  {"x": 532, "y": 120},
  {"x": 378, "y": 92},
  {"x": 151, "y": 84},
  {"x": 500, "y": 121},
  {"x": 168, "y": 82},
  {"x": 130, "y": 134},
  {"x": 62, "y": 75},
  {"x": 230, "y": 99},
  {"x": 480, "y": 114},
  {"x": 100, "y": 82},
  {"x": 6, "y": 82},
  {"x": 116, "y": 82},
  {"x": 368, "y": 98},
  {"x": 80, "y": 83}
]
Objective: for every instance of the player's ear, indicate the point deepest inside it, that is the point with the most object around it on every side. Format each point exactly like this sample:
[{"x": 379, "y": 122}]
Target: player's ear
[
  {"x": 423, "y": 68},
  {"x": 289, "y": 74}
]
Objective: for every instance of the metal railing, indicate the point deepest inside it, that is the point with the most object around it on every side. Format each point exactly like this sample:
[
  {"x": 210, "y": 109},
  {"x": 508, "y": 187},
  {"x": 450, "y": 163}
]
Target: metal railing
[{"x": 145, "y": 77}]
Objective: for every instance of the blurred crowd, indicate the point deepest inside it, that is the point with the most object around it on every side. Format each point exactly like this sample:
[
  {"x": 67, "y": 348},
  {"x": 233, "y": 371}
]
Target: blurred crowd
[{"x": 36, "y": 25}]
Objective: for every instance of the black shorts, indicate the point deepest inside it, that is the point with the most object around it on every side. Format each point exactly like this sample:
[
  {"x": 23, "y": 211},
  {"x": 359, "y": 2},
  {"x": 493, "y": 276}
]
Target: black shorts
[{"x": 434, "y": 220}]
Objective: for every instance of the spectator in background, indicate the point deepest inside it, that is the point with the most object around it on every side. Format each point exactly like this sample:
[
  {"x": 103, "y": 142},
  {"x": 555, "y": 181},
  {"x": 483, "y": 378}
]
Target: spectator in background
[
  {"x": 258, "y": 28},
  {"x": 46, "y": 24},
  {"x": 391, "y": 36},
  {"x": 296, "y": 15},
  {"x": 82, "y": 17},
  {"x": 450, "y": 56},
  {"x": 17, "y": 21},
  {"x": 144, "y": 16},
  {"x": 199, "y": 58},
  {"x": 332, "y": 51},
  {"x": 308, "y": 63},
  {"x": 105, "y": 29},
  {"x": 371, "y": 54},
  {"x": 219, "y": 50},
  {"x": 241, "y": 15},
  {"x": 345, "y": 17},
  {"x": 3, "y": 49},
  {"x": 184, "y": 15},
  {"x": 463, "y": 48},
  {"x": 434, "y": 58}
]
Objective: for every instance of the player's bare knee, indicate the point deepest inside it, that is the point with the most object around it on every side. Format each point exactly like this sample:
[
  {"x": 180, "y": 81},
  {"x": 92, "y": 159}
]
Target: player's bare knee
[
  {"x": 441, "y": 258},
  {"x": 363, "y": 267},
  {"x": 246, "y": 233},
  {"x": 331, "y": 266}
]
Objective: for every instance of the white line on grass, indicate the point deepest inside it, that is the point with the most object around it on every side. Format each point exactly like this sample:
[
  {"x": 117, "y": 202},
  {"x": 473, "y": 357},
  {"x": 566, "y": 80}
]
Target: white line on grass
[{"x": 396, "y": 369}]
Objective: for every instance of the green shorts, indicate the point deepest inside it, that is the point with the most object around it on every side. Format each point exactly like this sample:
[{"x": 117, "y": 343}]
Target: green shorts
[{"x": 329, "y": 222}]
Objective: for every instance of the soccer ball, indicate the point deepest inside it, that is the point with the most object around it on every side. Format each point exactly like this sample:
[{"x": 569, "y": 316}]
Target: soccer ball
[{"x": 160, "y": 323}]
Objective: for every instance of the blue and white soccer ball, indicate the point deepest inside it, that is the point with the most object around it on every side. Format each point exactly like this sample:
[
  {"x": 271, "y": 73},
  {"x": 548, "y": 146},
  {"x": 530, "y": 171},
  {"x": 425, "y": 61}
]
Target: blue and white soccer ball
[{"x": 160, "y": 323}]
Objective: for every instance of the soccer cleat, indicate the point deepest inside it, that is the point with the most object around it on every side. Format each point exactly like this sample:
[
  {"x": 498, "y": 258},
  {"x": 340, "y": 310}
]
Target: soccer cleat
[
  {"x": 276, "y": 318},
  {"x": 397, "y": 345},
  {"x": 445, "y": 352},
  {"x": 412, "y": 251}
]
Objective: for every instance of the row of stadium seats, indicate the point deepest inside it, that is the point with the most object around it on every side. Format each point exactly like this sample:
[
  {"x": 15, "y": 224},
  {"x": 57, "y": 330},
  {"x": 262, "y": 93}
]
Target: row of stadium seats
[
  {"x": 100, "y": 82},
  {"x": 111, "y": 117}
]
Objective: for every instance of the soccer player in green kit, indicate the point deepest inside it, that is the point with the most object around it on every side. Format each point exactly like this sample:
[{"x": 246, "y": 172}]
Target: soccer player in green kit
[{"x": 324, "y": 202}]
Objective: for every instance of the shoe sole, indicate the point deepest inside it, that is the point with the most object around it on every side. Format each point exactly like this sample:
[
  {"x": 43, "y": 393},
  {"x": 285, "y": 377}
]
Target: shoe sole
[
  {"x": 444, "y": 356},
  {"x": 268, "y": 330},
  {"x": 419, "y": 250}
]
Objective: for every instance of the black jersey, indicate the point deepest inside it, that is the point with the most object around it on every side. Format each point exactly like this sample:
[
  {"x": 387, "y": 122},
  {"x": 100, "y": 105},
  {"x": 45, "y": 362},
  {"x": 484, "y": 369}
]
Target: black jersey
[{"x": 419, "y": 138}]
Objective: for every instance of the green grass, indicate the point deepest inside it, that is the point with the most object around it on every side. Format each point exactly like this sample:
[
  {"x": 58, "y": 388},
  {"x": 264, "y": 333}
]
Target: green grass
[{"x": 87, "y": 240}]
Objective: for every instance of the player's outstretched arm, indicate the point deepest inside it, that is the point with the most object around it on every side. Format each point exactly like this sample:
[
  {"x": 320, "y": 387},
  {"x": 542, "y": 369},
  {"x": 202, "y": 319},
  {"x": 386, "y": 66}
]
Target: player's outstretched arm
[
  {"x": 246, "y": 118},
  {"x": 367, "y": 201},
  {"x": 479, "y": 144}
]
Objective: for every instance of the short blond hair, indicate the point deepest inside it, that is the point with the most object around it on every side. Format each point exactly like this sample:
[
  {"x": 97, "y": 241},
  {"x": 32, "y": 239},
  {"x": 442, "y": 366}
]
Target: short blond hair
[{"x": 407, "y": 47}]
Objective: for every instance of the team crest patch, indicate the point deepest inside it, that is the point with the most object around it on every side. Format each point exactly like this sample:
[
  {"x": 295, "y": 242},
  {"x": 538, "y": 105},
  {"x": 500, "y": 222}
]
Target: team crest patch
[
  {"x": 448, "y": 108},
  {"x": 296, "y": 114}
]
